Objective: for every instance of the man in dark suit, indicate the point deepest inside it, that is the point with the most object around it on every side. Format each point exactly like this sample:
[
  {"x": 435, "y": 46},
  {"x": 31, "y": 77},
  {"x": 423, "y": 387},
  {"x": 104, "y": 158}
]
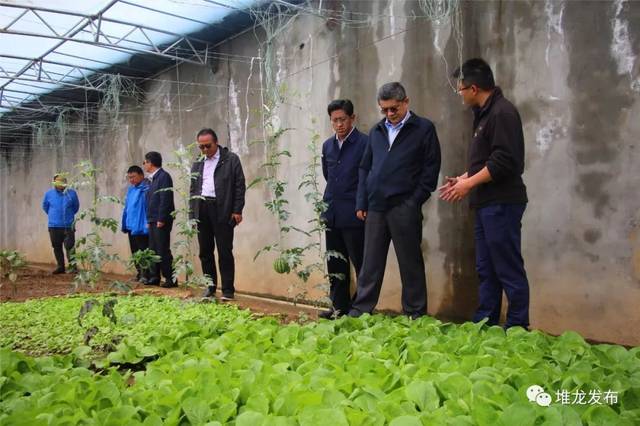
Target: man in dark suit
[
  {"x": 341, "y": 156},
  {"x": 217, "y": 191},
  {"x": 160, "y": 210},
  {"x": 398, "y": 172}
]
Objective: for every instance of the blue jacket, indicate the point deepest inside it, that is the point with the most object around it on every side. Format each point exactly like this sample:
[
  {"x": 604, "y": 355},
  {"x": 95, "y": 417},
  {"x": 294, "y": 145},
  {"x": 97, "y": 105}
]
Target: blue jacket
[
  {"x": 61, "y": 207},
  {"x": 406, "y": 171},
  {"x": 134, "y": 214},
  {"x": 340, "y": 170},
  {"x": 160, "y": 203}
]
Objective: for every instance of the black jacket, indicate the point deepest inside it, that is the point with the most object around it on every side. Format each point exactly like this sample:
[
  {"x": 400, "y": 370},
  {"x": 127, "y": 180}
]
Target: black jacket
[
  {"x": 407, "y": 171},
  {"x": 340, "y": 170},
  {"x": 160, "y": 203},
  {"x": 498, "y": 143},
  {"x": 228, "y": 179}
]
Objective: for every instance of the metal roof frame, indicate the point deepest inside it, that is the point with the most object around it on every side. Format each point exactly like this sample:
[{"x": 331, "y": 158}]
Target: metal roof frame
[{"x": 37, "y": 70}]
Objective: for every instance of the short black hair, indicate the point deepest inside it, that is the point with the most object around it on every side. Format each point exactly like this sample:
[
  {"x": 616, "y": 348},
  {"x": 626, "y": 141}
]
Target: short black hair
[
  {"x": 154, "y": 158},
  {"x": 476, "y": 71},
  {"x": 207, "y": 131},
  {"x": 392, "y": 91},
  {"x": 341, "y": 104},
  {"x": 135, "y": 169}
]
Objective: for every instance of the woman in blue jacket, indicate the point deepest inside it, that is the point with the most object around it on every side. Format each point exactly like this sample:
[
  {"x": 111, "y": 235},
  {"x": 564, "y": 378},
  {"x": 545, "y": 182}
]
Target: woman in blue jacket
[{"x": 61, "y": 205}]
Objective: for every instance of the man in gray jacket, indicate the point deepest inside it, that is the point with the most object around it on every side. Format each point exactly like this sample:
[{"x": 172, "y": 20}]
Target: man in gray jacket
[{"x": 218, "y": 188}]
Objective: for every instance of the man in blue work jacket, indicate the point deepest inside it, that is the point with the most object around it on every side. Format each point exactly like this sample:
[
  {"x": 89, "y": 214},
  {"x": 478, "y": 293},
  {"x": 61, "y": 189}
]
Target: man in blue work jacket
[
  {"x": 341, "y": 156},
  {"x": 61, "y": 205},
  {"x": 134, "y": 216},
  {"x": 398, "y": 172}
]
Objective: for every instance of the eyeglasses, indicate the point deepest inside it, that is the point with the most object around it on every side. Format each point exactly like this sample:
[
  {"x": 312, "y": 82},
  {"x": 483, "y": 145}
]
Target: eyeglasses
[
  {"x": 205, "y": 146},
  {"x": 340, "y": 120},
  {"x": 391, "y": 110},
  {"x": 462, "y": 89}
]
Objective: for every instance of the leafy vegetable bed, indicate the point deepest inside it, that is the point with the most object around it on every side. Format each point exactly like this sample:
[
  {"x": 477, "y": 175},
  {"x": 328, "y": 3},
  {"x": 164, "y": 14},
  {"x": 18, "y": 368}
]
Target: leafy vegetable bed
[{"x": 210, "y": 364}]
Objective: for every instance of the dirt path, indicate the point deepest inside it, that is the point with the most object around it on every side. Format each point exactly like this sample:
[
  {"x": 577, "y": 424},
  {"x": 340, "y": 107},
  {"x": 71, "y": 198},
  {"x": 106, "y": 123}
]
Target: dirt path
[{"x": 36, "y": 281}]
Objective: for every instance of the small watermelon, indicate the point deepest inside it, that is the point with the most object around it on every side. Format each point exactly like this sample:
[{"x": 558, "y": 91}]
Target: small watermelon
[{"x": 281, "y": 266}]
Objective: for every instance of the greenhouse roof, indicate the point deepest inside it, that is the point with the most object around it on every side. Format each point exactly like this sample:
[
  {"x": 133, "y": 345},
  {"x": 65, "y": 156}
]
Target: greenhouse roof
[{"x": 68, "y": 47}]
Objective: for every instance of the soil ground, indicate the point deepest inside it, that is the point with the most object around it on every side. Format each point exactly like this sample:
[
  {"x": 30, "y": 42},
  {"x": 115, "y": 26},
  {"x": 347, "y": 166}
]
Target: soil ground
[{"x": 36, "y": 281}]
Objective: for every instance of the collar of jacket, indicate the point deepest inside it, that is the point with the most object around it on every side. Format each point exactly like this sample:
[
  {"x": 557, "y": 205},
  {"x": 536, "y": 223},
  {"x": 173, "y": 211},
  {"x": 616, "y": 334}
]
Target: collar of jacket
[
  {"x": 481, "y": 111},
  {"x": 143, "y": 184},
  {"x": 412, "y": 120},
  {"x": 352, "y": 135}
]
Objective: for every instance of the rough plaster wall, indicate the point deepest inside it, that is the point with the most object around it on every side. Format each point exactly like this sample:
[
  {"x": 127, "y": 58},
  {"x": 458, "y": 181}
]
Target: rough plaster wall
[{"x": 571, "y": 67}]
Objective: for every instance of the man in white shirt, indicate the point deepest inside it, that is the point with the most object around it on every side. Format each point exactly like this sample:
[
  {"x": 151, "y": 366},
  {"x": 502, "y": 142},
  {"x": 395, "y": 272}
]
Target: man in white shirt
[{"x": 217, "y": 192}]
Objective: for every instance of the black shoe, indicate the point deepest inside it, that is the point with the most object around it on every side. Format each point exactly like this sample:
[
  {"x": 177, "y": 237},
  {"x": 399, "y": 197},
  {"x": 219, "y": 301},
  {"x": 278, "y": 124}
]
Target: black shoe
[
  {"x": 415, "y": 315},
  {"x": 209, "y": 292},
  {"x": 153, "y": 281},
  {"x": 227, "y": 297},
  {"x": 144, "y": 281},
  {"x": 58, "y": 270},
  {"x": 169, "y": 284},
  {"x": 354, "y": 313}
]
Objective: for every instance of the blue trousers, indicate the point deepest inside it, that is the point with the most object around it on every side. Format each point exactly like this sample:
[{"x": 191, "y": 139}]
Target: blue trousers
[{"x": 500, "y": 265}]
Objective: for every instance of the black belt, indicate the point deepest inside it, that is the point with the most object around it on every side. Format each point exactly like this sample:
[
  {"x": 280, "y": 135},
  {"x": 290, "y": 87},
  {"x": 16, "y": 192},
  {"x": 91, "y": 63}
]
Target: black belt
[{"x": 210, "y": 199}]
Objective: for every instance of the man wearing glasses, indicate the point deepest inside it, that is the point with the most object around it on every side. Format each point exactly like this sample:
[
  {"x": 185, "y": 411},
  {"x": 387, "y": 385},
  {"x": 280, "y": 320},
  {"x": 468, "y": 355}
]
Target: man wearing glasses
[
  {"x": 217, "y": 191},
  {"x": 398, "y": 172},
  {"x": 493, "y": 181},
  {"x": 160, "y": 210},
  {"x": 341, "y": 156}
]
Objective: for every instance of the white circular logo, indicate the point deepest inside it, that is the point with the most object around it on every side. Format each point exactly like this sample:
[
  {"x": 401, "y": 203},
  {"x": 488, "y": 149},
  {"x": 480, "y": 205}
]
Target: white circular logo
[
  {"x": 534, "y": 391},
  {"x": 543, "y": 399}
]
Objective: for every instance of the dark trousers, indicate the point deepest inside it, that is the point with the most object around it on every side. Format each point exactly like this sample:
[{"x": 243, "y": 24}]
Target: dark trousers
[
  {"x": 349, "y": 242},
  {"x": 401, "y": 224},
  {"x": 500, "y": 265},
  {"x": 136, "y": 243},
  {"x": 160, "y": 243},
  {"x": 214, "y": 232},
  {"x": 62, "y": 237}
]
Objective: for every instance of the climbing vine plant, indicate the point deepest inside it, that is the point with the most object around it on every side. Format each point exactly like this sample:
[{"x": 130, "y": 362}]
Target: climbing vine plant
[{"x": 273, "y": 20}]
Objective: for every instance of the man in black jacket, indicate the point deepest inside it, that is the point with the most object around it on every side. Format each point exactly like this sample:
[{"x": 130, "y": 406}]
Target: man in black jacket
[
  {"x": 341, "y": 156},
  {"x": 160, "y": 210},
  {"x": 493, "y": 181},
  {"x": 217, "y": 191},
  {"x": 398, "y": 172}
]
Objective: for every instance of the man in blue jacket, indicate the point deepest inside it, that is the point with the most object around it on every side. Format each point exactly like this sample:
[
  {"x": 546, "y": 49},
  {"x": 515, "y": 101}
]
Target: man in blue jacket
[
  {"x": 341, "y": 156},
  {"x": 398, "y": 172},
  {"x": 134, "y": 216},
  {"x": 61, "y": 205},
  {"x": 159, "y": 218}
]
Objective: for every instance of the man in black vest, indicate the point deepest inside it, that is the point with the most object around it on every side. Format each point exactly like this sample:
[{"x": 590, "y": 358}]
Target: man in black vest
[
  {"x": 493, "y": 181},
  {"x": 398, "y": 172},
  {"x": 160, "y": 210},
  {"x": 341, "y": 156},
  {"x": 220, "y": 186}
]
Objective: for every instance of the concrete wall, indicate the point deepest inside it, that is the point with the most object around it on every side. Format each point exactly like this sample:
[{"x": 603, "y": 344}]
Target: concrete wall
[{"x": 571, "y": 67}]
